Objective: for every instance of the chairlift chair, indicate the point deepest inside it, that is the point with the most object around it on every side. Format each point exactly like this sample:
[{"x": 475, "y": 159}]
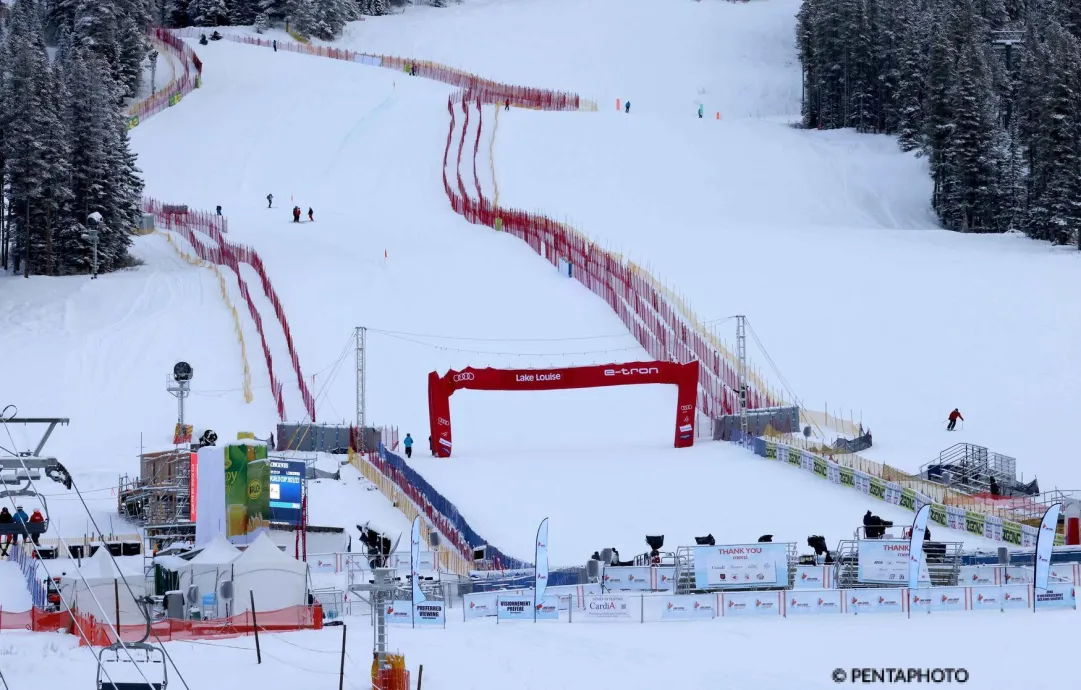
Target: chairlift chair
[
  {"x": 27, "y": 528},
  {"x": 150, "y": 658}
]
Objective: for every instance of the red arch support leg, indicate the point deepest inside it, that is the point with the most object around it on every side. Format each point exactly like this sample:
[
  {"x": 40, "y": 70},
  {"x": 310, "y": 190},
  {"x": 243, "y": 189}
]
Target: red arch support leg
[{"x": 440, "y": 388}]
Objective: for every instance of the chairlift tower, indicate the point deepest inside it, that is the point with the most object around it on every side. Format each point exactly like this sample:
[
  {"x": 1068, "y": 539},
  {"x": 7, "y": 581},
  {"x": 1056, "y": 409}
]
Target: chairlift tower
[
  {"x": 380, "y": 588},
  {"x": 362, "y": 415},
  {"x": 741, "y": 354}
]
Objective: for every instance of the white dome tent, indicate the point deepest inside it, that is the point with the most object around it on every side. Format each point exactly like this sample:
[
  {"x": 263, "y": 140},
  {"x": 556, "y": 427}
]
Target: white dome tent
[{"x": 277, "y": 579}]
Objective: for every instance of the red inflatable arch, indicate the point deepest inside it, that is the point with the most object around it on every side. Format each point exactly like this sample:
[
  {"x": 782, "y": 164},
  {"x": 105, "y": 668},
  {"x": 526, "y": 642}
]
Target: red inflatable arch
[{"x": 440, "y": 388}]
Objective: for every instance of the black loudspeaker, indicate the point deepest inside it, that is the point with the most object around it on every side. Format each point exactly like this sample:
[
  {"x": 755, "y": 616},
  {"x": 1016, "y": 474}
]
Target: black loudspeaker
[
  {"x": 707, "y": 540},
  {"x": 593, "y": 569}
]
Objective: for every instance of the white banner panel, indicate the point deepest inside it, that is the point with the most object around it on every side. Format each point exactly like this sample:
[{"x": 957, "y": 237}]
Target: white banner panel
[
  {"x": 612, "y": 607},
  {"x": 978, "y": 576},
  {"x": 323, "y": 562},
  {"x": 799, "y": 603},
  {"x": 1016, "y": 597},
  {"x": 627, "y": 578},
  {"x": 400, "y": 613},
  {"x": 875, "y": 600},
  {"x": 938, "y": 599},
  {"x": 741, "y": 565},
  {"x": 1063, "y": 573},
  {"x": 752, "y": 603},
  {"x": 812, "y": 577},
  {"x": 690, "y": 607},
  {"x": 885, "y": 561},
  {"x": 515, "y": 608},
  {"x": 1016, "y": 575},
  {"x": 1057, "y": 596}
]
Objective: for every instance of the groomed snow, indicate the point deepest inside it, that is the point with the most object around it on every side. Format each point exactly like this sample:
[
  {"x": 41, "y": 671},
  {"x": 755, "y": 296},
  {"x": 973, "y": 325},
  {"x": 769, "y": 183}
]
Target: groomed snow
[{"x": 997, "y": 650}]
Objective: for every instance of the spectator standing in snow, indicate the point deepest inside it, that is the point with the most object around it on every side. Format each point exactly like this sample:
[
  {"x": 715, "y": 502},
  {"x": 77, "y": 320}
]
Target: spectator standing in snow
[
  {"x": 219, "y": 209},
  {"x": 311, "y": 214},
  {"x": 275, "y": 44},
  {"x": 408, "y": 446},
  {"x": 954, "y": 416},
  {"x": 700, "y": 112},
  {"x": 507, "y": 105},
  {"x": 627, "y": 108},
  {"x": 296, "y": 214},
  {"x": 269, "y": 200}
]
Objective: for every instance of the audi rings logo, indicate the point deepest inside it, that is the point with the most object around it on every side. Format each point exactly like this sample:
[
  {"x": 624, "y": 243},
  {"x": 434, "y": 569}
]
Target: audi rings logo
[
  {"x": 458, "y": 378},
  {"x": 686, "y": 408},
  {"x": 443, "y": 422}
]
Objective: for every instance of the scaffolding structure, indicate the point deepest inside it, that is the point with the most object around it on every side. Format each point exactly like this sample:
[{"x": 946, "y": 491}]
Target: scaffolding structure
[{"x": 159, "y": 499}]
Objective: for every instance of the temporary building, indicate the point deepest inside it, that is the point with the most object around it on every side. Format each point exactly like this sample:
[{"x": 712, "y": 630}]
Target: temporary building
[
  {"x": 276, "y": 579},
  {"x": 97, "y": 587}
]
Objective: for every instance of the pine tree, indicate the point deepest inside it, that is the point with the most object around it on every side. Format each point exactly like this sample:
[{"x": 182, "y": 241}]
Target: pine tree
[
  {"x": 973, "y": 158},
  {"x": 939, "y": 120},
  {"x": 208, "y": 12},
  {"x": 262, "y": 22},
  {"x": 1055, "y": 206},
  {"x": 243, "y": 12},
  {"x": 303, "y": 17},
  {"x": 912, "y": 64},
  {"x": 5, "y": 114}
]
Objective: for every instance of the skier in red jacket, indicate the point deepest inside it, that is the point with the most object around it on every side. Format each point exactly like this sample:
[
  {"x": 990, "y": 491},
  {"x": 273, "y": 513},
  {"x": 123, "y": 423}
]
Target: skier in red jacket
[{"x": 954, "y": 416}]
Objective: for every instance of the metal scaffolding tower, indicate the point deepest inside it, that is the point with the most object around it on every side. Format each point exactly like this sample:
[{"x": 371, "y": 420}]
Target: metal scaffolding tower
[
  {"x": 741, "y": 353},
  {"x": 362, "y": 417}
]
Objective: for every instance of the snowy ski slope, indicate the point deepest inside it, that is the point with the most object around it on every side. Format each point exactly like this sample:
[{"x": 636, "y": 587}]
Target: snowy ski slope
[{"x": 598, "y": 465}]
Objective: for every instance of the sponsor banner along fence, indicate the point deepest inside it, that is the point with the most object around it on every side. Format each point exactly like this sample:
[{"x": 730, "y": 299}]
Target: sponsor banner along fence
[
  {"x": 948, "y": 516},
  {"x": 648, "y": 608},
  {"x": 984, "y": 575},
  {"x": 483, "y": 604},
  {"x": 639, "y": 578}
]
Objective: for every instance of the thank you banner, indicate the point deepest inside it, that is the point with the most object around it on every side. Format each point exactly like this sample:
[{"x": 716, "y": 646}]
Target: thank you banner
[
  {"x": 741, "y": 565},
  {"x": 885, "y": 561}
]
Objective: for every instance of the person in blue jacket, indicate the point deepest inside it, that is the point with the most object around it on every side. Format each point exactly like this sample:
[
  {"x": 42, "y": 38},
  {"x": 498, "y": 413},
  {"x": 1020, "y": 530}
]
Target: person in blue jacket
[
  {"x": 20, "y": 518},
  {"x": 408, "y": 446},
  {"x": 627, "y": 107}
]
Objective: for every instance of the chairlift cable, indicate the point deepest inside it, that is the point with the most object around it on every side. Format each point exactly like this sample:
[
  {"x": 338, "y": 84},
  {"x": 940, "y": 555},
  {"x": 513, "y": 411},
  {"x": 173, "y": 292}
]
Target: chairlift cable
[{"x": 115, "y": 628}]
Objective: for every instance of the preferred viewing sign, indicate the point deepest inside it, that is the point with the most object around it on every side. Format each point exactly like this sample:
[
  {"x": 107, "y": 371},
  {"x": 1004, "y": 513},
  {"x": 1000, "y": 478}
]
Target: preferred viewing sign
[
  {"x": 741, "y": 565},
  {"x": 885, "y": 561}
]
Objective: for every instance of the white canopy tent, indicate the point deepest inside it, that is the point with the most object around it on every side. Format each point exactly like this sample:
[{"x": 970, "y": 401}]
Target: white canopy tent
[
  {"x": 276, "y": 579},
  {"x": 208, "y": 569},
  {"x": 97, "y": 588}
]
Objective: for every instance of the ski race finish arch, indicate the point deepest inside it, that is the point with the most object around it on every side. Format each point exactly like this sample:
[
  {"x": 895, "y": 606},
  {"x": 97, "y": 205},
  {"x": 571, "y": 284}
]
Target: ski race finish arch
[{"x": 440, "y": 388}]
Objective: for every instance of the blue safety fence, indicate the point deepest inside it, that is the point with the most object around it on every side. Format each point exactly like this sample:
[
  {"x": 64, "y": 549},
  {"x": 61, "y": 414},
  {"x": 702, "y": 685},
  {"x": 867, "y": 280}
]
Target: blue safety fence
[{"x": 446, "y": 509}]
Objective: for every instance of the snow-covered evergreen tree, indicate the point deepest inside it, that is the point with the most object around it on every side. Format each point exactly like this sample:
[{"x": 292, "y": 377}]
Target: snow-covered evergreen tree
[
  {"x": 262, "y": 22},
  {"x": 208, "y": 12}
]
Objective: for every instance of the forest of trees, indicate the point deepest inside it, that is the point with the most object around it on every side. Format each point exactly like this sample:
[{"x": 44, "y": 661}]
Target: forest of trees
[
  {"x": 64, "y": 150},
  {"x": 319, "y": 18},
  {"x": 988, "y": 90}
]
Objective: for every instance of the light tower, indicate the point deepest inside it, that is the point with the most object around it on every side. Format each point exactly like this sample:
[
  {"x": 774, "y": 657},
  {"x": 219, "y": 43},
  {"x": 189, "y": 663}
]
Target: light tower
[
  {"x": 180, "y": 387},
  {"x": 362, "y": 416}
]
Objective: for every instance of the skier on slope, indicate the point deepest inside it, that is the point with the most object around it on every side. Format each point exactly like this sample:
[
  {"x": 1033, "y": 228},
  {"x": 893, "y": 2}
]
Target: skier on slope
[
  {"x": 219, "y": 209},
  {"x": 311, "y": 214},
  {"x": 954, "y": 416},
  {"x": 627, "y": 108},
  {"x": 408, "y": 446},
  {"x": 269, "y": 200},
  {"x": 700, "y": 111},
  {"x": 296, "y": 214}
]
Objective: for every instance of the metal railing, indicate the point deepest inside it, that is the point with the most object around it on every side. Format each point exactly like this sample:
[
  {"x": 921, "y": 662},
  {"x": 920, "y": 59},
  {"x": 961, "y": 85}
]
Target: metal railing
[{"x": 943, "y": 564}]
